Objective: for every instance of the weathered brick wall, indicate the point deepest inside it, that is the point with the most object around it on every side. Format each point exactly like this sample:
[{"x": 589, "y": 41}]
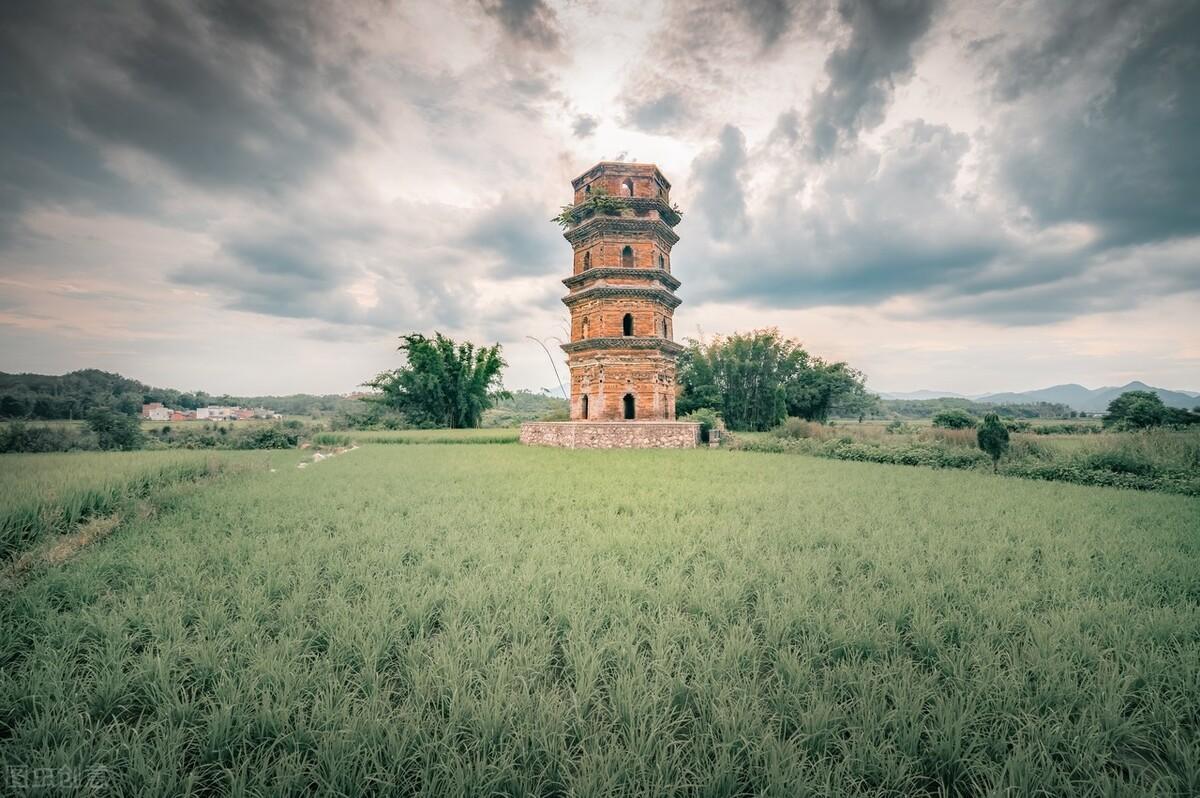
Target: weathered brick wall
[
  {"x": 606, "y": 318},
  {"x": 606, "y": 377},
  {"x": 612, "y": 435},
  {"x": 645, "y": 180},
  {"x": 645, "y": 255}
]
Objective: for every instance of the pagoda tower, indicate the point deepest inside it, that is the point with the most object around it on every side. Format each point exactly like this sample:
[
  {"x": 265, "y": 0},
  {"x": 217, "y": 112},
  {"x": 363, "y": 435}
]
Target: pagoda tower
[{"x": 622, "y": 295}]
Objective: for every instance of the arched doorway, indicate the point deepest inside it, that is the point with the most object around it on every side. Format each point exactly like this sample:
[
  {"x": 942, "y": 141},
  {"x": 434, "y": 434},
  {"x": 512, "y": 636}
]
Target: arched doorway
[
  {"x": 627, "y": 257},
  {"x": 583, "y": 406},
  {"x": 627, "y": 324},
  {"x": 629, "y": 409}
]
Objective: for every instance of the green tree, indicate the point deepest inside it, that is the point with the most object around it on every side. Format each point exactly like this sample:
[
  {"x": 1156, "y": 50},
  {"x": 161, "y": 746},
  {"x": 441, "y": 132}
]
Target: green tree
[
  {"x": 442, "y": 383},
  {"x": 115, "y": 430},
  {"x": 953, "y": 418},
  {"x": 821, "y": 388},
  {"x": 756, "y": 379},
  {"x": 993, "y": 438},
  {"x": 1136, "y": 410},
  {"x": 13, "y": 407}
]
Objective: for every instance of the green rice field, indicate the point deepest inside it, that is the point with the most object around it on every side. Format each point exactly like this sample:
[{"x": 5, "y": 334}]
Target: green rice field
[
  {"x": 502, "y": 620},
  {"x": 47, "y": 494}
]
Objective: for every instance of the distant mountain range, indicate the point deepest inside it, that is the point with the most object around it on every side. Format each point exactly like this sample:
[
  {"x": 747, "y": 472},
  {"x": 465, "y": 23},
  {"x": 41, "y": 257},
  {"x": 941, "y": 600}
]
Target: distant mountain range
[{"x": 1086, "y": 400}]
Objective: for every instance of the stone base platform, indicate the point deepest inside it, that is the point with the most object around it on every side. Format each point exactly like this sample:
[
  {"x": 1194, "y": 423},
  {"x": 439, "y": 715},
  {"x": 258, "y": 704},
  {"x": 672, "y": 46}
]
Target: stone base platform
[{"x": 612, "y": 434}]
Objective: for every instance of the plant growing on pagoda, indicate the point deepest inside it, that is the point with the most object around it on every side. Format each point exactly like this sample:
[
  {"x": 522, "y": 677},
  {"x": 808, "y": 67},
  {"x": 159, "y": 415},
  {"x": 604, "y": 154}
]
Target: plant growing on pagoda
[{"x": 599, "y": 202}]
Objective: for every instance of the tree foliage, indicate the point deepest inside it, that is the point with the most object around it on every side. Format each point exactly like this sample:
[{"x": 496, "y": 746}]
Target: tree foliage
[
  {"x": 953, "y": 418},
  {"x": 78, "y": 393},
  {"x": 993, "y": 438},
  {"x": 1136, "y": 410},
  {"x": 115, "y": 430},
  {"x": 442, "y": 384},
  {"x": 755, "y": 380}
]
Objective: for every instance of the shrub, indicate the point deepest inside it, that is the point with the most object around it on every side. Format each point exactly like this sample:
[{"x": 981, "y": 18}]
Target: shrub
[
  {"x": 797, "y": 428},
  {"x": 1120, "y": 461},
  {"x": 19, "y": 437},
  {"x": 115, "y": 430},
  {"x": 269, "y": 437},
  {"x": 331, "y": 440},
  {"x": 993, "y": 438},
  {"x": 708, "y": 419},
  {"x": 953, "y": 419}
]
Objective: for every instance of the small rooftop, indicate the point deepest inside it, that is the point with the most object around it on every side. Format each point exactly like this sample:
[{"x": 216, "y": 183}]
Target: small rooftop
[{"x": 621, "y": 168}]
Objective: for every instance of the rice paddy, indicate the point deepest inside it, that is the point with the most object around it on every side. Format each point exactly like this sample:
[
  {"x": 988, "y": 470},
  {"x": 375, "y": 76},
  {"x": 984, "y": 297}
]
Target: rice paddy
[
  {"x": 502, "y": 620},
  {"x": 47, "y": 494}
]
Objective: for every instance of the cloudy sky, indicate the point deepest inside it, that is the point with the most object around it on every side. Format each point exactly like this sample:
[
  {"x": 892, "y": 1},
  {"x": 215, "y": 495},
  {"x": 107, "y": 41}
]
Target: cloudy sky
[{"x": 259, "y": 197}]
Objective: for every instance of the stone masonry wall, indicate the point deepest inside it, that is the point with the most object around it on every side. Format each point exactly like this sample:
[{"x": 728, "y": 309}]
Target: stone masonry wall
[{"x": 612, "y": 435}]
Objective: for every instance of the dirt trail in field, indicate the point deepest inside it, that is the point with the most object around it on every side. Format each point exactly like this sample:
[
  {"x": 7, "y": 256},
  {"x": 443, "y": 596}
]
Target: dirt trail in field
[
  {"x": 60, "y": 549},
  {"x": 319, "y": 456}
]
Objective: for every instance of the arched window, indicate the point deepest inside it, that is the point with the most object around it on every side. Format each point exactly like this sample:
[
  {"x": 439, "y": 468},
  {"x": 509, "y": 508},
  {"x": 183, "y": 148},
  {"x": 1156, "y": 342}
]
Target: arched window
[
  {"x": 662, "y": 263},
  {"x": 627, "y": 257},
  {"x": 629, "y": 409},
  {"x": 627, "y": 324},
  {"x": 663, "y": 327},
  {"x": 587, "y": 189},
  {"x": 583, "y": 326},
  {"x": 627, "y": 188},
  {"x": 583, "y": 409},
  {"x": 587, "y": 261}
]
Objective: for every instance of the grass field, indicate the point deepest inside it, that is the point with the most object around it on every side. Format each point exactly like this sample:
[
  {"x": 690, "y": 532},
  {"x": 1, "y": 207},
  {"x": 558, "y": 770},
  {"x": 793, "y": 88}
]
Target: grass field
[
  {"x": 438, "y": 436},
  {"x": 502, "y": 620},
  {"x": 47, "y": 494}
]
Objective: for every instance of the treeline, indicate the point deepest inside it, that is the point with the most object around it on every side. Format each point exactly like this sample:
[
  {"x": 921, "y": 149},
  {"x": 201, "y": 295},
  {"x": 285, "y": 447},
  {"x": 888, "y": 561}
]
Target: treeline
[
  {"x": 755, "y": 380},
  {"x": 928, "y": 408},
  {"x": 75, "y": 395},
  {"x": 106, "y": 430}
]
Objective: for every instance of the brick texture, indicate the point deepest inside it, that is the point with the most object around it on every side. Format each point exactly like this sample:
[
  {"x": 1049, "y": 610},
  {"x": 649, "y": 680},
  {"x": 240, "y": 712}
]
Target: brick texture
[
  {"x": 612, "y": 435},
  {"x": 622, "y": 299}
]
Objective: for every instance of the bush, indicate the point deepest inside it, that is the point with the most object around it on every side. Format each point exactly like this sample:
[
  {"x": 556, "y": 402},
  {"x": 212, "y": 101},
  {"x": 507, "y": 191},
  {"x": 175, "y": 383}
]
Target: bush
[
  {"x": 272, "y": 437},
  {"x": 796, "y": 429},
  {"x": 953, "y": 419},
  {"x": 708, "y": 419},
  {"x": 1120, "y": 461},
  {"x": 115, "y": 430},
  {"x": 331, "y": 440},
  {"x": 19, "y": 437},
  {"x": 993, "y": 438}
]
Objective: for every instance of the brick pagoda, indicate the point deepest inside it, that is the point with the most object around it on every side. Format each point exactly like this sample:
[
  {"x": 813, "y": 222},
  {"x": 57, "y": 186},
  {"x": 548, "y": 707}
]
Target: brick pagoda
[{"x": 622, "y": 302}]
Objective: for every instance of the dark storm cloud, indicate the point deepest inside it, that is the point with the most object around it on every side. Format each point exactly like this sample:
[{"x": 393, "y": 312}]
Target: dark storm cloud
[
  {"x": 698, "y": 57},
  {"x": 769, "y": 19},
  {"x": 1119, "y": 154},
  {"x": 658, "y": 114},
  {"x": 584, "y": 125},
  {"x": 287, "y": 272},
  {"x": 228, "y": 95},
  {"x": 530, "y": 21},
  {"x": 879, "y": 224},
  {"x": 309, "y": 268},
  {"x": 1067, "y": 33},
  {"x": 716, "y": 179},
  {"x": 863, "y": 72},
  {"x": 523, "y": 240}
]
